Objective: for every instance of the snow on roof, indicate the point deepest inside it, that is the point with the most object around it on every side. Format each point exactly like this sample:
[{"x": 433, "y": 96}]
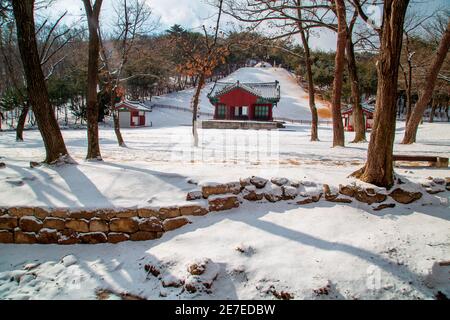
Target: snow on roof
[
  {"x": 135, "y": 105},
  {"x": 369, "y": 108},
  {"x": 263, "y": 64},
  {"x": 264, "y": 90}
]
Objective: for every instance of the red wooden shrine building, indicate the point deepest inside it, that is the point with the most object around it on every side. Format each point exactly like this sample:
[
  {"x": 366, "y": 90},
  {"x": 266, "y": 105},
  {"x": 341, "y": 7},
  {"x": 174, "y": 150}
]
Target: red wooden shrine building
[
  {"x": 348, "y": 117},
  {"x": 244, "y": 101},
  {"x": 133, "y": 114}
]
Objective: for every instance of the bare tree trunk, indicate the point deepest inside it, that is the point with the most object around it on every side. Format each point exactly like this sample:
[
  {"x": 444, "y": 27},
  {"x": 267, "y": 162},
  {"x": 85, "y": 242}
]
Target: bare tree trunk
[
  {"x": 408, "y": 77},
  {"x": 432, "y": 111},
  {"x": 427, "y": 88},
  {"x": 116, "y": 120},
  {"x": 378, "y": 169},
  {"x": 195, "y": 101},
  {"x": 93, "y": 12},
  {"x": 311, "y": 89},
  {"x": 21, "y": 122},
  {"x": 360, "y": 125},
  {"x": 312, "y": 104},
  {"x": 119, "y": 137},
  {"x": 408, "y": 93},
  {"x": 55, "y": 147},
  {"x": 338, "y": 128}
]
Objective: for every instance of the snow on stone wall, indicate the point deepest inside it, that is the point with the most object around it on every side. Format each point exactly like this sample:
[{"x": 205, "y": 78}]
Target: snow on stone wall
[
  {"x": 55, "y": 225},
  {"x": 30, "y": 225}
]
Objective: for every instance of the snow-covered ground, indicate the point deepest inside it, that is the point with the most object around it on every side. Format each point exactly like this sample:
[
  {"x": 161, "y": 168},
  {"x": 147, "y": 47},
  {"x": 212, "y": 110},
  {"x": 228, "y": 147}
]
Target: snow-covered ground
[
  {"x": 293, "y": 103},
  {"x": 159, "y": 162},
  {"x": 257, "y": 249},
  {"x": 362, "y": 255}
]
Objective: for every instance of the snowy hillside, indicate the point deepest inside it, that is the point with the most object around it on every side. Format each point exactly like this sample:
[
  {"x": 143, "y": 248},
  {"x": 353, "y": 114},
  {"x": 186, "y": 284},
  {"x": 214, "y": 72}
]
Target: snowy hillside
[{"x": 293, "y": 103}]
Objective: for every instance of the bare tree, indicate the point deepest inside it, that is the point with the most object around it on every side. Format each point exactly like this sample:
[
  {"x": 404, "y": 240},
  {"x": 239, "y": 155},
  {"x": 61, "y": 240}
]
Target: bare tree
[
  {"x": 358, "y": 116},
  {"x": 201, "y": 60},
  {"x": 286, "y": 19},
  {"x": 413, "y": 22},
  {"x": 52, "y": 39},
  {"x": 407, "y": 74},
  {"x": 93, "y": 13},
  {"x": 132, "y": 21},
  {"x": 427, "y": 88},
  {"x": 378, "y": 168},
  {"x": 338, "y": 128},
  {"x": 14, "y": 75},
  {"x": 304, "y": 34},
  {"x": 37, "y": 90}
]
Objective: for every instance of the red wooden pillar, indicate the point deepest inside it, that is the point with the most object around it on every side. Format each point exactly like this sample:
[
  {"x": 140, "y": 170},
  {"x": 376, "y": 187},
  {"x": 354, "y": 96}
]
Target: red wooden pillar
[
  {"x": 215, "y": 112},
  {"x": 251, "y": 112},
  {"x": 270, "y": 112}
]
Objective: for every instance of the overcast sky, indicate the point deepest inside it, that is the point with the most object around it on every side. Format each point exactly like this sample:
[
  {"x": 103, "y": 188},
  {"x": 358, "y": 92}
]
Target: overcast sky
[{"x": 193, "y": 14}]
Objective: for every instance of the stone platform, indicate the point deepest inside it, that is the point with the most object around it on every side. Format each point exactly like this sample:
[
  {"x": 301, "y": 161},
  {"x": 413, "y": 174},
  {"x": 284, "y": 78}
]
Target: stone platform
[{"x": 241, "y": 124}]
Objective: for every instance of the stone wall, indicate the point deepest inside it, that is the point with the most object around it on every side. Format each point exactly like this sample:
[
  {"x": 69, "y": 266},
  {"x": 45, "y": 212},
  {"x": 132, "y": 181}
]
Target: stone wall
[{"x": 62, "y": 226}]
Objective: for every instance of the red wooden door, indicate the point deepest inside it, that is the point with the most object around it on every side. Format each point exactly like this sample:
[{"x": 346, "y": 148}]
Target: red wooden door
[{"x": 133, "y": 116}]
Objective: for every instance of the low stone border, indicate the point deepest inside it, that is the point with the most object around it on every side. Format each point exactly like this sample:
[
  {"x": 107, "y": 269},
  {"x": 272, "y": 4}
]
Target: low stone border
[
  {"x": 62, "y": 226},
  {"x": 226, "y": 195}
]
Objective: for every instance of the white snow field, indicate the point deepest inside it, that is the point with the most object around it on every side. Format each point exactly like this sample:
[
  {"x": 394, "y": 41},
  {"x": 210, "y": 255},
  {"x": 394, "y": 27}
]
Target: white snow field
[
  {"x": 347, "y": 250},
  {"x": 293, "y": 103}
]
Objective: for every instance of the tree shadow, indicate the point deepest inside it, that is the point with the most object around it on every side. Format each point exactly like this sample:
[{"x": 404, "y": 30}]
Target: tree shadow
[
  {"x": 44, "y": 191},
  {"x": 401, "y": 272},
  {"x": 170, "y": 178},
  {"x": 79, "y": 185},
  {"x": 118, "y": 269}
]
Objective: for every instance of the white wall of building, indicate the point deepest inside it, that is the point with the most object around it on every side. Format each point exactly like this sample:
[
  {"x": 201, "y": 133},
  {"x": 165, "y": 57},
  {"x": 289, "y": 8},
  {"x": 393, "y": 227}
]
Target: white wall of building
[
  {"x": 124, "y": 119},
  {"x": 148, "y": 119}
]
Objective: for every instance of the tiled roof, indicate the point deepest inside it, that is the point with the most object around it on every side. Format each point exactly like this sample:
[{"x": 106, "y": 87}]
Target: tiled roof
[
  {"x": 366, "y": 107},
  {"x": 136, "y": 105},
  {"x": 267, "y": 90}
]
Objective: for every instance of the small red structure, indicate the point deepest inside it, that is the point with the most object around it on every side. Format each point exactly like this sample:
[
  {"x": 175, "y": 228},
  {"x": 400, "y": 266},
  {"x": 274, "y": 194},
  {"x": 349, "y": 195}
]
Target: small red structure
[
  {"x": 244, "y": 101},
  {"x": 133, "y": 114},
  {"x": 347, "y": 116}
]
